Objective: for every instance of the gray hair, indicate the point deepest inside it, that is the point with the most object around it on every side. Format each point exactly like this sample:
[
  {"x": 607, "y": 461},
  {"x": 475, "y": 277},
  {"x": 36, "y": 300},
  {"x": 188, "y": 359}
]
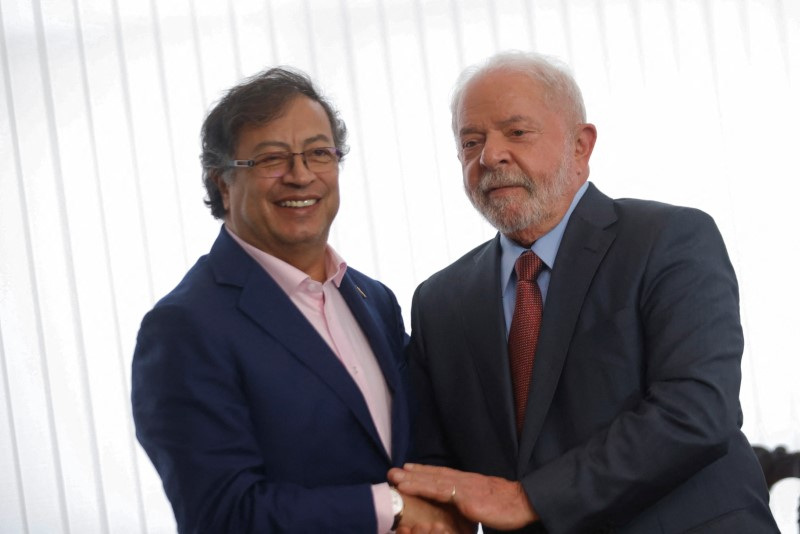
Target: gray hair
[{"x": 561, "y": 89}]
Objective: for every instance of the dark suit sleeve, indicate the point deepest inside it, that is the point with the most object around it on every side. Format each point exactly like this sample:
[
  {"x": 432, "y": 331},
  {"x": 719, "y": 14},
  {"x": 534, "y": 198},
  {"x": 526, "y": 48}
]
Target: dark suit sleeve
[
  {"x": 192, "y": 416},
  {"x": 687, "y": 315}
]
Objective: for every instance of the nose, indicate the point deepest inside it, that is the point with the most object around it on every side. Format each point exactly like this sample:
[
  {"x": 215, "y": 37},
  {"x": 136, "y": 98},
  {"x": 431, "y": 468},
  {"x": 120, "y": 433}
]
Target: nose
[
  {"x": 298, "y": 172},
  {"x": 494, "y": 153}
]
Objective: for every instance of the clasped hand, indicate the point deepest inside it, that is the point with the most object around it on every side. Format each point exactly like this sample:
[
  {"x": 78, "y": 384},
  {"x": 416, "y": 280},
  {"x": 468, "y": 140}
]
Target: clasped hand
[
  {"x": 495, "y": 502},
  {"x": 421, "y": 516}
]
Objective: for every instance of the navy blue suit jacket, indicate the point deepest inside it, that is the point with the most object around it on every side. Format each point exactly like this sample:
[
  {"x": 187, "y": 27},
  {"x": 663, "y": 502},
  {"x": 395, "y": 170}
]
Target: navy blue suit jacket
[
  {"x": 633, "y": 417},
  {"x": 252, "y": 422}
]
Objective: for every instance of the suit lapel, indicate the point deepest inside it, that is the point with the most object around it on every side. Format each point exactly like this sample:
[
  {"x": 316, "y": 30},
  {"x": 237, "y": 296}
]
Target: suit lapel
[
  {"x": 264, "y": 302},
  {"x": 484, "y": 329},
  {"x": 585, "y": 242},
  {"x": 360, "y": 305},
  {"x": 357, "y": 301}
]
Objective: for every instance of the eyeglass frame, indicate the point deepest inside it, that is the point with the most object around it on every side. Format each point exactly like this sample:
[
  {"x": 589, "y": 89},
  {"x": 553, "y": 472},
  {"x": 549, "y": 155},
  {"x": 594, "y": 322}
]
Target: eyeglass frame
[{"x": 251, "y": 163}]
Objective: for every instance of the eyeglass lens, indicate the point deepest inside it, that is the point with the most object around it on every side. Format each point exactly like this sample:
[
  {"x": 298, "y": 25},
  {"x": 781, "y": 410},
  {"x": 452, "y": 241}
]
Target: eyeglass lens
[{"x": 277, "y": 164}]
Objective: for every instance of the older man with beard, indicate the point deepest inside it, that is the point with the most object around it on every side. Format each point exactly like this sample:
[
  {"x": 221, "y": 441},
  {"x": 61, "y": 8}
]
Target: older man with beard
[{"x": 580, "y": 372}]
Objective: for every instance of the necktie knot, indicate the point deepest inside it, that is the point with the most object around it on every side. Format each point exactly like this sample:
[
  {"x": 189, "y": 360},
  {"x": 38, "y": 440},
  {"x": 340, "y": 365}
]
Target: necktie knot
[{"x": 528, "y": 266}]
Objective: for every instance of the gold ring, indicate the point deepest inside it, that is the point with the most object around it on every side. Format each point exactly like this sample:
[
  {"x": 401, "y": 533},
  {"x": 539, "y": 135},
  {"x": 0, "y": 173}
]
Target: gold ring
[{"x": 453, "y": 494}]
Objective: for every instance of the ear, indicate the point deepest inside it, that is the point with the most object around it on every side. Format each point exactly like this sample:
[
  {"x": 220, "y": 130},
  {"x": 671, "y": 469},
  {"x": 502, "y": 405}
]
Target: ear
[
  {"x": 585, "y": 137},
  {"x": 224, "y": 190}
]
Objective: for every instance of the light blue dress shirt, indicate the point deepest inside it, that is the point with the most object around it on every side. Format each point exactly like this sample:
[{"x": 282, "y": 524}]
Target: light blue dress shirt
[{"x": 546, "y": 247}]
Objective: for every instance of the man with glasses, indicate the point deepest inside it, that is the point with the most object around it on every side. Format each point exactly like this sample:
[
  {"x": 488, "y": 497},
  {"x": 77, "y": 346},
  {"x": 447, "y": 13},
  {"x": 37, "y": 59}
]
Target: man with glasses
[{"x": 268, "y": 386}]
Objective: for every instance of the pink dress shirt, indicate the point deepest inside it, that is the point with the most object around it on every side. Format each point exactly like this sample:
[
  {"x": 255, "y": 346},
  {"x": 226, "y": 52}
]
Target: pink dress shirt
[{"x": 327, "y": 311}]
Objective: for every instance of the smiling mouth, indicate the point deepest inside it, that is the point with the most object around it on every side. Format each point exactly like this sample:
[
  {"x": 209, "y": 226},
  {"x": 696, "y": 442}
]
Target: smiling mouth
[{"x": 298, "y": 203}]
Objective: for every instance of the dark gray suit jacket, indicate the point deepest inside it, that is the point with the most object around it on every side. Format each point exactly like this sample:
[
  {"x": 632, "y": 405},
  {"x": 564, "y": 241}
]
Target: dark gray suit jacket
[{"x": 633, "y": 419}]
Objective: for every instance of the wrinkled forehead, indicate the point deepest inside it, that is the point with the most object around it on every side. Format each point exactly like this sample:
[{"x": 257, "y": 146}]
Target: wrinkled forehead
[{"x": 497, "y": 96}]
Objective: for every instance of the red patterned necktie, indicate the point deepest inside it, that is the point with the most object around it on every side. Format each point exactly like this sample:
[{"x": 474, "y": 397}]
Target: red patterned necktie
[{"x": 524, "y": 333}]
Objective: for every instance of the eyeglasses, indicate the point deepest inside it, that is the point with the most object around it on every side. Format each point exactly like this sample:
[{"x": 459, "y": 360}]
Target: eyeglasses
[{"x": 277, "y": 164}]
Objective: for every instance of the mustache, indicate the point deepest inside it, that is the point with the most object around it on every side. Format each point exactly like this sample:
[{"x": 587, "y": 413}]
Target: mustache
[{"x": 493, "y": 179}]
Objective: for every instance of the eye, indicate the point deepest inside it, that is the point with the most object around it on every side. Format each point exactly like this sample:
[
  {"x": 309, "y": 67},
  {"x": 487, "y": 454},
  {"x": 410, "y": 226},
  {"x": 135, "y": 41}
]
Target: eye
[
  {"x": 470, "y": 143},
  {"x": 272, "y": 159},
  {"x": 517, "y": 133},
  {"x": 319, "y": 154}
]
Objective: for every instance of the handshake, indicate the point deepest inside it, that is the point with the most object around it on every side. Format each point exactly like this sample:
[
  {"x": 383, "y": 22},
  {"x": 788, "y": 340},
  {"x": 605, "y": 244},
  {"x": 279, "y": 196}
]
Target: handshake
[{"x": 440, "y": 500}]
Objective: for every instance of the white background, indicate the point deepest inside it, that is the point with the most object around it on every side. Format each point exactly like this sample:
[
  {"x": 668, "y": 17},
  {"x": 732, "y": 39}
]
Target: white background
[{"x": 101, "y": 101}]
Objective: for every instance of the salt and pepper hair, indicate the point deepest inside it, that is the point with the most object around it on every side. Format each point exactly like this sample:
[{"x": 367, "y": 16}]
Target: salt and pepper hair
[
  {"x": 560, "y": 89},
  {"x": 256, "y": 101}
]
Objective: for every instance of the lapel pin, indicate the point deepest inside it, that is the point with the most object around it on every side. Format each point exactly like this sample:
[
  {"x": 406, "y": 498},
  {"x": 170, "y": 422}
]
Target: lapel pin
[{"x": 361, "y": 292}]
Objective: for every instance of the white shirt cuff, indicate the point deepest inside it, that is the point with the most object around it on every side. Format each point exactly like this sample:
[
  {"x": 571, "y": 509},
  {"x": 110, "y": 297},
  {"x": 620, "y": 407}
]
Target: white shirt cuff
[{"x": 383, "y": 507}]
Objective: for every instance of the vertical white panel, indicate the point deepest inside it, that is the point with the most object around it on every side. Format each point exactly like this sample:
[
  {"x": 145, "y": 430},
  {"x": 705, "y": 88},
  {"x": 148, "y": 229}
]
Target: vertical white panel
[
  {"x": 197, "y": 49},
  {"x": 386, "y": 200},
  {"x": 476, "y": 29},
  {"x": 788, "y": 20},
  {"x": 290, "y": 32},
  {"x": 12, "y": 496},
  {"x": 102, "y": 360},
  {"x": 612, "y": 90},
  {"x": 217, "y": 49},
  {"x": 550, "y": 31},
  {"x": 251, "y": 29},
  {"x": 12, "y": 505},
  {"x": 411, "y": 113},
  {"x": 117, "y": 155},
  {"x": 152, "y": 135},
  {"x": 31, "y": 233},
  {"x": 510, "y": 24},
  {"x": 129, "y": 270},
  {"x": 64, "y": 342}
]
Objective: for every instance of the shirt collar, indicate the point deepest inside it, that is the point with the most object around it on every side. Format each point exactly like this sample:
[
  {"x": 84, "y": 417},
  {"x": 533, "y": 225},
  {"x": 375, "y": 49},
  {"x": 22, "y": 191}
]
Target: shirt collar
[
  {"x": 546, "y": 247},
  {"x": 287, "y": 276}
]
